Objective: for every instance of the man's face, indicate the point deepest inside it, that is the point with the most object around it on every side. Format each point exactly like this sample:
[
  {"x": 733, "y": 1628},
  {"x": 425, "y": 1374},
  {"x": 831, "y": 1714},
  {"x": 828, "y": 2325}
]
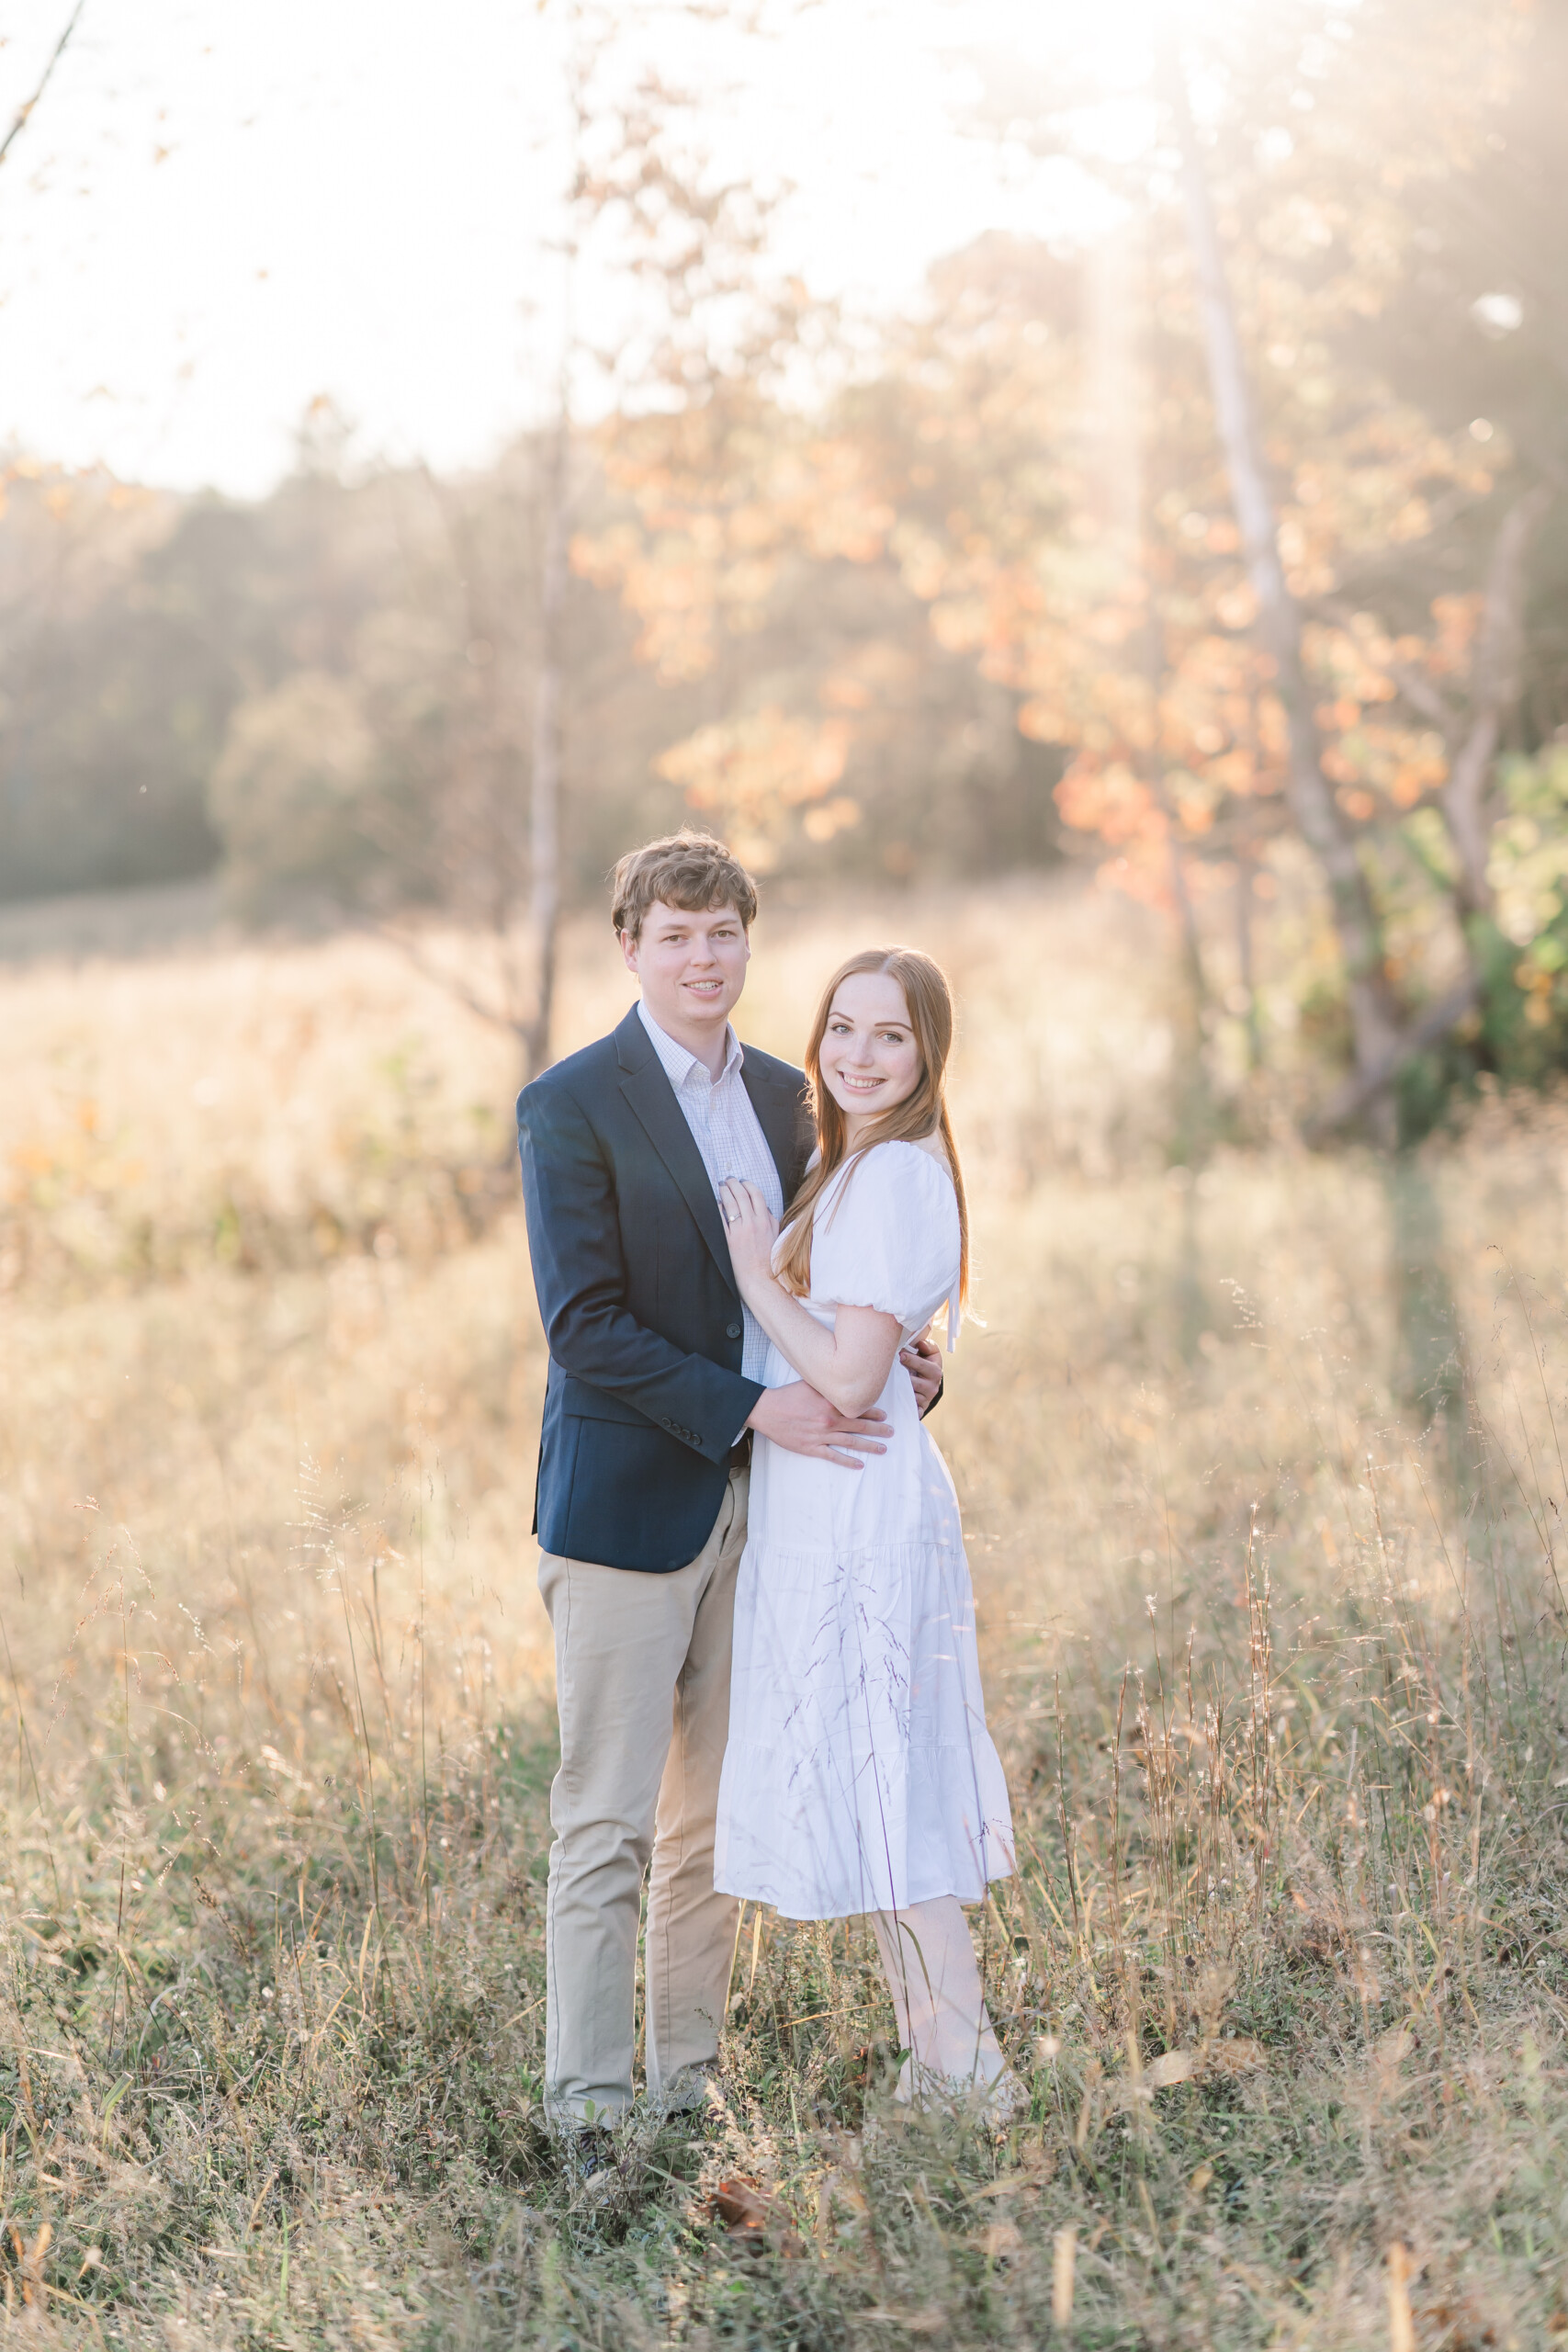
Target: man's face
[{"x": 692, "y": 966}]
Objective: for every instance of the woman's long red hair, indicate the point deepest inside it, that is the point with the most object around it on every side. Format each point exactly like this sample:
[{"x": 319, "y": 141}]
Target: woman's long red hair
[{"x": 921, "y": 1115}]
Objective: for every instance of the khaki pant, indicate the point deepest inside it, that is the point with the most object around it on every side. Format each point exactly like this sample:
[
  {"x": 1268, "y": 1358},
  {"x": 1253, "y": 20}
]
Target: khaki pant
[{"x": 642, "y": 1683}]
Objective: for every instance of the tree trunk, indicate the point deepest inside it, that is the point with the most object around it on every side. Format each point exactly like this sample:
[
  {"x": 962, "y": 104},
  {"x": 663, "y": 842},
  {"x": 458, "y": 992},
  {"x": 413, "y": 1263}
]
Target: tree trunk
[
  {"x": 1373, "y": 1015},
  {"x": 544, "y": 811},
  {"x": 1494, "y": 686},
  {"x": 1471, "y": 738}
]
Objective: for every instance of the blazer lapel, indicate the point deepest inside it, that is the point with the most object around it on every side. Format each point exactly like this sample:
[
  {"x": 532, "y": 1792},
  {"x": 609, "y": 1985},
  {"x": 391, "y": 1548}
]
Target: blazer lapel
[
  {"x": 779, "y": 1115},
  {"x": 651, "y": 1096}
]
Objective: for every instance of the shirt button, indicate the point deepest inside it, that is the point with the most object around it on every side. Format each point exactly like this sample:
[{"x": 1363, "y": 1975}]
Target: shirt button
[{"x": 732, "y": 1331}]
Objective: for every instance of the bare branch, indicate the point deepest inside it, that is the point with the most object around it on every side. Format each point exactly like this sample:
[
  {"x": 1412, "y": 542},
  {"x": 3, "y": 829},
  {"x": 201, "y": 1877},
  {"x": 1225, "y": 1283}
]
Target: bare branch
[
  {"x": 1418, "y": 689},
  {"x": 1363, "y": 1086},
  {"x": 545, "y": 785},
  {"x": 24, "y": 112},
  {"x": 441, "y": 976},
  {"x": 1423, "y": 695}
]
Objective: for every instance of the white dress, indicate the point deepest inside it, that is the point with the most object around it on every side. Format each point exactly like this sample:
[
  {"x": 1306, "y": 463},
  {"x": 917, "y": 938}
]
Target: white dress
[{"x": 860, "y": 1775}]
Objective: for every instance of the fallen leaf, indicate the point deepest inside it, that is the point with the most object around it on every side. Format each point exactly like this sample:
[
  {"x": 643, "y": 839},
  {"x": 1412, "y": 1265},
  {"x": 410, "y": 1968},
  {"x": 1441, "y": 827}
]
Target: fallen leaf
[
  {"x": 746, "y": 2211},
  {"x": 1036, "y": 2168},
  {"x": 739, "y": 2205},
  {"x": 1171, "y": 2066}
]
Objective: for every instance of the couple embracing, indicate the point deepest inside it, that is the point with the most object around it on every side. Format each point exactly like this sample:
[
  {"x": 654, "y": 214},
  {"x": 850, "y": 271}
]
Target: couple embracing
[{"x": 752, "y": 1562}]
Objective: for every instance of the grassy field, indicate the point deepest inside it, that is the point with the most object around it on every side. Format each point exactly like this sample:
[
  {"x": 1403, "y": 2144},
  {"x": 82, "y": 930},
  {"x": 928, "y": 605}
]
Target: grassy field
[{"x": 1261, "y": 1469}]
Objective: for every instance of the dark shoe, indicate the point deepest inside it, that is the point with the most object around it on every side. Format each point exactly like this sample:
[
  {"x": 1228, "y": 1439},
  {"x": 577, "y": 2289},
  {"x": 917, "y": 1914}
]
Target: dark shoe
[
  {"x": 696, "y": 2096},
  {"x": 586, "y": 2158}
]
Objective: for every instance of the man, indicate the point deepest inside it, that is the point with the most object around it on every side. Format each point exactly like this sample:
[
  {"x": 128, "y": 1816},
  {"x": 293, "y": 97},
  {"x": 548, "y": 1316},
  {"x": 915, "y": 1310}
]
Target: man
[{"x": 654, "y": 1392}]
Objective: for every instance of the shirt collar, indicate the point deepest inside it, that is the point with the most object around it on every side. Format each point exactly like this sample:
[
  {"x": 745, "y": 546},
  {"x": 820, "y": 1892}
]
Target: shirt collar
[{"x": 678, "y": 1062}]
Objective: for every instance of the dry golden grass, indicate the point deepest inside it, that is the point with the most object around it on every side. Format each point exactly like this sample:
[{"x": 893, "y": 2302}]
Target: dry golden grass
[{"x": 1260, "y": 1469}]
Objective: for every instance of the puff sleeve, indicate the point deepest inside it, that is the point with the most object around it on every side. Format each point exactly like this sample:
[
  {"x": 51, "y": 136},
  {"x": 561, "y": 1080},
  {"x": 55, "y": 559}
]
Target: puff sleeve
[{"x": 888, "y": 1238}]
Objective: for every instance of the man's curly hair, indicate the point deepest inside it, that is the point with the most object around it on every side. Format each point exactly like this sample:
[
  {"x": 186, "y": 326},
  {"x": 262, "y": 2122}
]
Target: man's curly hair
[{"x": 685, "y": 869}]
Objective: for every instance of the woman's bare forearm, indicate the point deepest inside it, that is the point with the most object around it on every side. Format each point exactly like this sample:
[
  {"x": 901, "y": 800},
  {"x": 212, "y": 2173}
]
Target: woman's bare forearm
[{"x": 848, "y": 1365}]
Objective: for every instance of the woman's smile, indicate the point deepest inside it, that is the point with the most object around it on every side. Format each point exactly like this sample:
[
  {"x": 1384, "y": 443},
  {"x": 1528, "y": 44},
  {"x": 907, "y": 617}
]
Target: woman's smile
[{"x": 868, "y": 1058}]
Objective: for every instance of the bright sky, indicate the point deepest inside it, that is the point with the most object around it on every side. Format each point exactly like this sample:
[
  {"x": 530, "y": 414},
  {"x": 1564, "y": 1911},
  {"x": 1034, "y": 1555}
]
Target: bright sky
[{"x": 224, "y": 208}]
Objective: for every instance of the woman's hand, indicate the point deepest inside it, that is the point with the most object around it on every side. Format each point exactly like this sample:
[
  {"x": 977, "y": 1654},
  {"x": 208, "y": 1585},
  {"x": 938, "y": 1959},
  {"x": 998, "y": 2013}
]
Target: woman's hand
[
  {"x": 848, "y": 1365},
  {"x": 751, "y": 1229}
]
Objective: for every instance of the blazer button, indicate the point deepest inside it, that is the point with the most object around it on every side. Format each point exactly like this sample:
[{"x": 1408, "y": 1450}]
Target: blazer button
[{"x": 732, "y": 1331}]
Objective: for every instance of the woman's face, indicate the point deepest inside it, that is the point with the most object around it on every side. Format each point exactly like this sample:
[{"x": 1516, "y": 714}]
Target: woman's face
[{"x": 870, "y": 1059}]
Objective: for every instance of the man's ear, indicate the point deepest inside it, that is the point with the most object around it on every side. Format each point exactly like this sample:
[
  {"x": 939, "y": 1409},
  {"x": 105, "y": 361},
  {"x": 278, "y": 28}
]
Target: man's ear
[{"x": 628, "y": 949}]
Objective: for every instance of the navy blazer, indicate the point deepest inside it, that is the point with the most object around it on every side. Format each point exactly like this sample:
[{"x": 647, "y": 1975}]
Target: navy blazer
[{"x": 645, "y": 1398}]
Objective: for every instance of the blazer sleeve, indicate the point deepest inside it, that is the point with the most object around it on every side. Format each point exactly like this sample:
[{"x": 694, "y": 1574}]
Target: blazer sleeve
[{"x": 568, "y": 1196}]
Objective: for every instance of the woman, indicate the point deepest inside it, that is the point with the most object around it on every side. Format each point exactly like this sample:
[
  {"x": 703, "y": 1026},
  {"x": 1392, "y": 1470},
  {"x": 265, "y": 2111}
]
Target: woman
[{"x": 860, "y": 1776}]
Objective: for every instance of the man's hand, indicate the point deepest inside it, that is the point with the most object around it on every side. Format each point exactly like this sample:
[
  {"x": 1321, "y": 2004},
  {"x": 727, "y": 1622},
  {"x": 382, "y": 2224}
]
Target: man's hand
[
  {"x": 803, "y": 1422},
  {"x": 922, "y": 1361}
]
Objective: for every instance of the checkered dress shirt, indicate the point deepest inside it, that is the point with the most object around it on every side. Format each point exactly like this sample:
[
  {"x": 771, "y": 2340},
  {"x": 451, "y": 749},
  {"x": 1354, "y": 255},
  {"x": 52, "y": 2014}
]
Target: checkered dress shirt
[{"x": 725, "y": 1131}]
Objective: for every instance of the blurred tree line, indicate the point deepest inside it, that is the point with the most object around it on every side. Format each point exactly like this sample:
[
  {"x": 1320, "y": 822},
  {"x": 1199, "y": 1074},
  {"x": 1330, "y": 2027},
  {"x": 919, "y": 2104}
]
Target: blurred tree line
[
  {"x": 331, "y": 689},
  {"x": 1234, "y": 537}
]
